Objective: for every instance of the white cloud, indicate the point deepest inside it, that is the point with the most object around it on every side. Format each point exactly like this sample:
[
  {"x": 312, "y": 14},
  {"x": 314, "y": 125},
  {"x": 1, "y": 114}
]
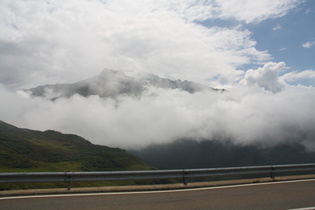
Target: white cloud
[
  {"x": 308, "y": 44},
  {"x": 255, "y": 10},
  {"x": 294, "y": 75},
  {"x": 276, "y": 28},
  {"x": 266, "y": 77},
  {"x": 55, "y": 41}
]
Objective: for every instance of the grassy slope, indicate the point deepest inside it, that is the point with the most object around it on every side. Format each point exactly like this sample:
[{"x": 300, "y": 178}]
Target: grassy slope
[
  {"x": 24, "y": 150},
  {"x": 28, "y": 150}
]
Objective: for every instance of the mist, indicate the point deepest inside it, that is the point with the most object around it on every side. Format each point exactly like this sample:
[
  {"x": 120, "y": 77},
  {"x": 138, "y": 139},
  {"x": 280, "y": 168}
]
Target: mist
[{"x": 249, "y": 113}]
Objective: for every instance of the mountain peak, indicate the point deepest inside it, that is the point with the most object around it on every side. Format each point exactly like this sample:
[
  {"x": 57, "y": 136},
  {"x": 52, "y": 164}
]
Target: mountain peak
[{"x": 113, "y": 83}]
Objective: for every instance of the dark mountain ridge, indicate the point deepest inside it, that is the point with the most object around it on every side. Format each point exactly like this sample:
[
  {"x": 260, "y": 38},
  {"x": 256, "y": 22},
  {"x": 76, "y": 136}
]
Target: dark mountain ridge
[{"x": 190, "y": 153}]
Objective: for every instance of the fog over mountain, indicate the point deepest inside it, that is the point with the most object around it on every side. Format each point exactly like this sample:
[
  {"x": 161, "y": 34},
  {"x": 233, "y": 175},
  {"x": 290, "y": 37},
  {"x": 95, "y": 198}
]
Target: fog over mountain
[
  {"x": 134, "y": 111},
  {"x": 111, "y": 83}
]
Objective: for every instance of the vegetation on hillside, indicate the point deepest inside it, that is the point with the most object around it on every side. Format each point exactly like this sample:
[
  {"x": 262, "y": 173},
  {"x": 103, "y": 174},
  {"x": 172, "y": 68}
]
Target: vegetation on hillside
[
  {"x": 27, "y": 150},
  {"x": 24, "y": 150}
]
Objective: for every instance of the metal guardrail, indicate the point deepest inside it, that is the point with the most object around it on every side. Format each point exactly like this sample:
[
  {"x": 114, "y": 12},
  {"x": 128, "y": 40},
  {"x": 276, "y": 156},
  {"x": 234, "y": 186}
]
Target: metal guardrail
[{"x": 184, "y": 174}]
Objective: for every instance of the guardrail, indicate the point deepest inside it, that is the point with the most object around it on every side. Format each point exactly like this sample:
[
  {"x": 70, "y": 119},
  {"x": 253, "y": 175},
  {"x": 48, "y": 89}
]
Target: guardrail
[{"x": 184, "y": 174}]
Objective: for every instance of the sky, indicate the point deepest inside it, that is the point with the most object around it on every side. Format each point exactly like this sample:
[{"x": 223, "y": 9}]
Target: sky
[{"x": 261, "y": 51}]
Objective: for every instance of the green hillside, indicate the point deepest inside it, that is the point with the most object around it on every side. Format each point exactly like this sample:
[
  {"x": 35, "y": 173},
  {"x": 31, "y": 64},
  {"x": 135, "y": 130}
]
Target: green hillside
[{"x": 24, "y": 150}]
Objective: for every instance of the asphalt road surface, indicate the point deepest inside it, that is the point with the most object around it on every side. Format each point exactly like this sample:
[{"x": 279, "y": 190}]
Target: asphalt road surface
[{"x": 275, "y": 195}]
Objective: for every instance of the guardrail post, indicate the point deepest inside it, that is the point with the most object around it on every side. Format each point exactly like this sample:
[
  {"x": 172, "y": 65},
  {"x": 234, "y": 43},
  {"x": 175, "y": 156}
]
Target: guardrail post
[
  {"x": 271, "y": 172},
  {"x": 68, "y": 179},
  {"x": 184, "y": 177}
]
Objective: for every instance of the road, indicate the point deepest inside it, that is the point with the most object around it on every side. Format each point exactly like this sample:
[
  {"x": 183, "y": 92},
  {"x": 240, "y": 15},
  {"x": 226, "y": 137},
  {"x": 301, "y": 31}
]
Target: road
[{"x": 275, "y": 195}]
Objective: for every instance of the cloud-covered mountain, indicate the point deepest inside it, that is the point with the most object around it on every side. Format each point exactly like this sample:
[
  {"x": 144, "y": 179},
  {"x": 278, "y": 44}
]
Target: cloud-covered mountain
[
  {"x": 111, "y": 83},
  {"x": 135, "y": 111}
]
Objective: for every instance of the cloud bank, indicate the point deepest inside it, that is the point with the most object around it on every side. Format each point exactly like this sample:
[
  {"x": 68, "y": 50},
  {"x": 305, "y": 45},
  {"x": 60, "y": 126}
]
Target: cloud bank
[
  {"x": 253, "y": 112},
  {"x": 55, "y": 41}
]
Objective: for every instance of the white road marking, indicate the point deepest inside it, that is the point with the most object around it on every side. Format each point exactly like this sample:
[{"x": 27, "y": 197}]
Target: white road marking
[
  {"x": 159, "y": 191},
  {"x": 307, "y": 208}
]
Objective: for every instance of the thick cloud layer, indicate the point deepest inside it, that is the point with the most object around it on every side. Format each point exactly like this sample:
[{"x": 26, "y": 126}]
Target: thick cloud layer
[
  {"x": 249, "y": 113},
  {"x": 66, "y": 41}
]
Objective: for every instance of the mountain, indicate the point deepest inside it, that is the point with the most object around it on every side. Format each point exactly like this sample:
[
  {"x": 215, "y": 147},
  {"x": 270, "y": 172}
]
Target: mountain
[
  {"x": 24, "y": 150},
  {"x": 112, "y": 83},
  {"x": 189, "y": 153}
]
